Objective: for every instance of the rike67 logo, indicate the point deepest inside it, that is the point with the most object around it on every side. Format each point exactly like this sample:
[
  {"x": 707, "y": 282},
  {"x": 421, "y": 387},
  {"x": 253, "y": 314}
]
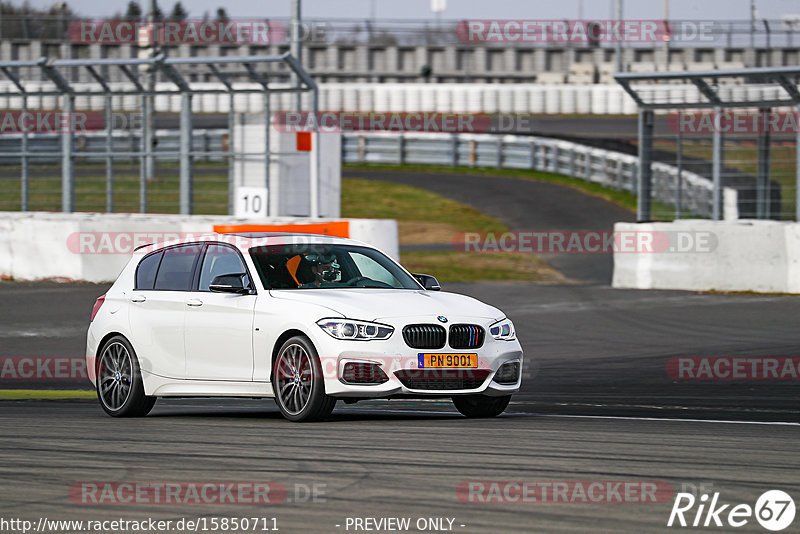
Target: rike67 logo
[{"x": 774, "y": 510}]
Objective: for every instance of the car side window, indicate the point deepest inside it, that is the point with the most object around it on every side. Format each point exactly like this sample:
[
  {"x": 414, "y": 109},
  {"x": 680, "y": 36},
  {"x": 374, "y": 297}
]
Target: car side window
[
  {"x": 177, "y": 266},
  {"x": 219, "y": 260},
  {"x": 370, "y": 268},
  {"x": 146, "y": 271}
]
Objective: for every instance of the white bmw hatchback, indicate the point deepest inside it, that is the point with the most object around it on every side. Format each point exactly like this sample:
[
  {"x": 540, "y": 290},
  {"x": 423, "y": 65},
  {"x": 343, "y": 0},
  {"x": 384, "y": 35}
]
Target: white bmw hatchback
[{"x": 304, "y": 319}]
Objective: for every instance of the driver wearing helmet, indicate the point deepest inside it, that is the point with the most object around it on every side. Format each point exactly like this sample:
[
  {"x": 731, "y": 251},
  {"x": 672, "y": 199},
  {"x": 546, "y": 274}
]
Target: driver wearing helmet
[{"x": 313, "y": 269}]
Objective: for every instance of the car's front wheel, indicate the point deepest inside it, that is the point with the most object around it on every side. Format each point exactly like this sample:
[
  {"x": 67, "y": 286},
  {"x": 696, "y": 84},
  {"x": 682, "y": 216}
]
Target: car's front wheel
[
  {"x": 481, "y": 405},
  {"x": 299, "y": 384},
  {"x": 119, "y": 381}
]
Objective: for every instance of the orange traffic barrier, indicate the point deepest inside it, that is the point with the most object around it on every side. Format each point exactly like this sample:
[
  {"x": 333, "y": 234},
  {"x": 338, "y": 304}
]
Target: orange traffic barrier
[{"x": 333, "y": 228}]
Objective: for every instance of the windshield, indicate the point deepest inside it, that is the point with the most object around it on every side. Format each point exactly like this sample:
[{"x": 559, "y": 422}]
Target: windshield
[{"x": 305, "y": 266}]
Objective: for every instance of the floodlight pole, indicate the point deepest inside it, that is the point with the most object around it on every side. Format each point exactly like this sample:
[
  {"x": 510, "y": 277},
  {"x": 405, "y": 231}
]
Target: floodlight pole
[
  {"x": 67, "y": 159},
  {"x": 24, "y": 162},
  {"x": 762, "y": 176},
  {"x": 679, "y": 177},
  {"x": 149, "y": 108},
  {"x": 667, "y": 35},
  {"x": 716, "y": 167},
  {"x": 644, "y": 186},
  {"x": 797, "y": 173},
  {"x": 297, "y": 50},
  {"x": 144, "y": 149},
  {"x": 186, "y": 175},
  {"x": 618, "y": 54}
]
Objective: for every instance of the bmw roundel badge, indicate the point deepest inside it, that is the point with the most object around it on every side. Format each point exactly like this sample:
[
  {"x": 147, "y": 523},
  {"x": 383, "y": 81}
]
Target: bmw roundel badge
[{"x": 442, "y": 319}]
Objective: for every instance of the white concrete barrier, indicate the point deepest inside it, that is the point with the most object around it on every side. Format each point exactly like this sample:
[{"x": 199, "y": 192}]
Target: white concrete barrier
[
  {"x": 744, "y": 255},
  {"x": 95, "y": 247}
]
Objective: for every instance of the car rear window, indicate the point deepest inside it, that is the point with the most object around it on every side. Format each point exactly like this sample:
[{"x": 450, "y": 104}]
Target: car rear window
[
  {"x": 177, "y": 266},
  {"x": 146, "y": 272},
  {"x": 219, "y": 260}
]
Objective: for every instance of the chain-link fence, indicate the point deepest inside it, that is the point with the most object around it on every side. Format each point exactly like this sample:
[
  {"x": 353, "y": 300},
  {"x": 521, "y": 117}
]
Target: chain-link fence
[
  {"x": 761, "y": 171},
  {"x": 58, "y": 152},
  {"x": 738, "y": 127},
  {"x": 96, "y": 192}
]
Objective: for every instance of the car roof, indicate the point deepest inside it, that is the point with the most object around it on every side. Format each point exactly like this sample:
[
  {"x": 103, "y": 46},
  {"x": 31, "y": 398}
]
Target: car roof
[{"x": 236, "y": 239}]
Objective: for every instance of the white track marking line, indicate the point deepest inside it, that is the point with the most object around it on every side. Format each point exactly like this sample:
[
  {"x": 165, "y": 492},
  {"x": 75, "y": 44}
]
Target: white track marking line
[
  {"x": 671, "y": 419},
  {"x": 354, "y": 410},
  {"x": 620, "y": 417}
]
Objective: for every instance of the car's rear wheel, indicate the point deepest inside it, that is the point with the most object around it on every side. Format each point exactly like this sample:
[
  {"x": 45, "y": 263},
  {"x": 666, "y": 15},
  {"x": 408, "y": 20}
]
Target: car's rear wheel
[
  {"x": 481, "y": 405},
  {"x": 299, "y": 383},
  {"x": 119, "y": 381}
]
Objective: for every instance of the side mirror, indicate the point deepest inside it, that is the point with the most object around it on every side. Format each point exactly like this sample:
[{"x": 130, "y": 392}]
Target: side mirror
[
  {"x": 428, "y": 282},
  {"x": 230, "y": 283}
]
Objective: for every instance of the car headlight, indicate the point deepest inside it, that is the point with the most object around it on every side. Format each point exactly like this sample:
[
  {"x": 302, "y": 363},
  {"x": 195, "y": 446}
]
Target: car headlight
[
  {"x": 355, "y": 330},
  {"x": 503, "y": 330}
]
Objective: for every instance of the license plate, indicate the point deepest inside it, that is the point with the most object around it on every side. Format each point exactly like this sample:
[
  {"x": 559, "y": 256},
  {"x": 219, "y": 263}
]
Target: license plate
[{"x": 447, "y": 361}]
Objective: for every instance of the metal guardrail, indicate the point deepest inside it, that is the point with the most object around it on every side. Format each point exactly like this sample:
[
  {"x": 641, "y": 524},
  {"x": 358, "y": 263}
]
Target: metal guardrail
[{"x": 614, "y": 170}]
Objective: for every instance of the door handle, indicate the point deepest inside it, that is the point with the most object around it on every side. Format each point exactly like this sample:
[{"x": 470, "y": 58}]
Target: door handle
[
  {"x": 138, "y": 298},
  {"x": 194, "y": 302}
]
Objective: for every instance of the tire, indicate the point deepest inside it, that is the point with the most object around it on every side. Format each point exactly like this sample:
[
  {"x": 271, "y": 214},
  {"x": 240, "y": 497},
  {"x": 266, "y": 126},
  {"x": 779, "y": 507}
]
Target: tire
[
  {"x": 299, "y": 384},
  {"x": 119, "y": 381},
  {"x": 483, "y": 406}
]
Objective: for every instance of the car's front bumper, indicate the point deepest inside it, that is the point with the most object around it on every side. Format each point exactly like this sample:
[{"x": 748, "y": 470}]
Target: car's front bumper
[{"x": 394, "y": 358}]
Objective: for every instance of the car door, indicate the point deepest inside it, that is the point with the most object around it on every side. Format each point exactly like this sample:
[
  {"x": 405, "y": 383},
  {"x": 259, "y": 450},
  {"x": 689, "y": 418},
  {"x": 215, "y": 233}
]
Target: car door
[
  {"x": 219, "y": 326},
  {"x": 158, "y": 309}
]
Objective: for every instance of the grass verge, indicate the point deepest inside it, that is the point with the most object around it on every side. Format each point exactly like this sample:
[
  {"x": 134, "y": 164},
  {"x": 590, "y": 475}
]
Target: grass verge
[
  {"x": 424, "y": 218},
  {"x": 489, "y": 267},
  {"x": 621, "y": 198},
  {"x": 45, "y": 394},
  {"x": 624, "y": 199}
]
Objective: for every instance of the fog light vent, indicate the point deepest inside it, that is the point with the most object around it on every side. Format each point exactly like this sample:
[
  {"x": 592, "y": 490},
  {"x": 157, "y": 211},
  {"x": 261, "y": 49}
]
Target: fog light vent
[
  {"x": 507, "y": 374},
  {"x": 363, "y": 373}
]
